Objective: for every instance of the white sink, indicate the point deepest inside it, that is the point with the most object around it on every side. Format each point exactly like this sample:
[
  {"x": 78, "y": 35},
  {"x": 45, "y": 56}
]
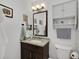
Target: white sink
[{"x": 35, "y": 41}]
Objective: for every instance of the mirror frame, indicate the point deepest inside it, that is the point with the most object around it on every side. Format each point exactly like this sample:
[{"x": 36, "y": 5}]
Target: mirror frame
[{"x": 46, "y": 31}]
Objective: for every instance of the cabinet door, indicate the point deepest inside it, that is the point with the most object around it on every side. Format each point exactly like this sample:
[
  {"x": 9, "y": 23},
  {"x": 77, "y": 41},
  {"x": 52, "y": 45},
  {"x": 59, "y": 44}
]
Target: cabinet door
[
  {"x": 22, "y": 54},
  {"x": 70, "y": 8},
  {"x": 36, "y": 56},
  {"x": 28, "y": 54},
  {"x": 58, "y": 11},
  {"x": 25, "y": 54}
]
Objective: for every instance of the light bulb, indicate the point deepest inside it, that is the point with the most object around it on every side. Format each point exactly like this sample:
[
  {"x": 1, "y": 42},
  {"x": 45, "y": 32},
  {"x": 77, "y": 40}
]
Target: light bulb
[
  {"x": 34, "y": 8},
  {"x": 43, "y": 5},
  {"x": 38, "y": 6}
]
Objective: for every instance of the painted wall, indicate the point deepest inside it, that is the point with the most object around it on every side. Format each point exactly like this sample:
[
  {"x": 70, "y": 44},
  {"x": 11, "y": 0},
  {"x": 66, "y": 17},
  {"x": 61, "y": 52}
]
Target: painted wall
[
  {"x": 77, "y": 35},
  {"x": 13, "y": 27},
  {"x": 29, "y": 12}
]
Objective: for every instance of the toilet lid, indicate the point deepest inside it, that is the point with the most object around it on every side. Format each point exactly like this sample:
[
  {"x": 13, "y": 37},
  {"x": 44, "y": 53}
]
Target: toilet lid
[{"x": 63, "y": 47}]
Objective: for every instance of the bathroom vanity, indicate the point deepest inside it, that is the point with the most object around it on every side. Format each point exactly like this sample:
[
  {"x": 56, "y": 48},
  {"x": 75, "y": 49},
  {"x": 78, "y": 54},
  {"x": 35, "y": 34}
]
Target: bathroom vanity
[{"x": 35, "y": 48}]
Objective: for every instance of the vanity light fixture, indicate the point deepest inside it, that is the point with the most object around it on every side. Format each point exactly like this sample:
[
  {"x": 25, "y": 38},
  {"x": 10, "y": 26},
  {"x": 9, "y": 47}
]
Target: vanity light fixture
[{"x": 38, "y": 7}]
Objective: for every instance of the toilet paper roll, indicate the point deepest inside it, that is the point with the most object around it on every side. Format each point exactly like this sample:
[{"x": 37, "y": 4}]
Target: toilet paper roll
[{"x": 74, "y": 55}]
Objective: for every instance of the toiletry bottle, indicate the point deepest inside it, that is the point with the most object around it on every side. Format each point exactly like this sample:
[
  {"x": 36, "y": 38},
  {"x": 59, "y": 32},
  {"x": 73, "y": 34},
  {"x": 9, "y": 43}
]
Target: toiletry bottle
[{"x": 22, "y": 37}]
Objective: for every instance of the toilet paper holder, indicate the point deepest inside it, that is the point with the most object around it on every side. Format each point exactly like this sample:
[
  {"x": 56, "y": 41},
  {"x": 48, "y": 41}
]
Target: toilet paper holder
[{"x": 74, "y": 55}]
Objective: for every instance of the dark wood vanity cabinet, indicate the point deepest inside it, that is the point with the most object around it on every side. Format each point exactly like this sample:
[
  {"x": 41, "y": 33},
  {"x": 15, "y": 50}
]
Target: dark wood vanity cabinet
[{"x": 29, "y": 51}]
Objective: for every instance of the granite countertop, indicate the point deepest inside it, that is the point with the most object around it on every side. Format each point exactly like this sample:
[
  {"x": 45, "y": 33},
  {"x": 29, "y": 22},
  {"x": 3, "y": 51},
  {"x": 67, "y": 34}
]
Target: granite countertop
[{"x": 38, "y": 41}]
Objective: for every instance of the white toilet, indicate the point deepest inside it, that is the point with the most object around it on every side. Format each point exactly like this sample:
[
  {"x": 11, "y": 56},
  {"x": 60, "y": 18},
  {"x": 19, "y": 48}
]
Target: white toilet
[{"x": 63, "y": 52}]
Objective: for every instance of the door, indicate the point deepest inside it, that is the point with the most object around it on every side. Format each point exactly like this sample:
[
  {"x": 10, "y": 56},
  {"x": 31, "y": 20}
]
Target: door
[
  {"x": 3, "y": 37},
  {"x": 70, "y": 8},
  {"x": 36, "y": 55}
]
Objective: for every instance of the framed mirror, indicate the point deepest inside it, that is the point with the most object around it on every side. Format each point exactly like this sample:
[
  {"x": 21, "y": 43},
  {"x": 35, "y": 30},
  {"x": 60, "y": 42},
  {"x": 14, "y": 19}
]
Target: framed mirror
[{"x": 40, "y": 23}]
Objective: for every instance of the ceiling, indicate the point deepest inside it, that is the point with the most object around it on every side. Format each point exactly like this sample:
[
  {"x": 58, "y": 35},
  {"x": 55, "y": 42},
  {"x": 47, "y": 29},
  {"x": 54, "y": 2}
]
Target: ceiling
[{"x": 34, "y": 0}]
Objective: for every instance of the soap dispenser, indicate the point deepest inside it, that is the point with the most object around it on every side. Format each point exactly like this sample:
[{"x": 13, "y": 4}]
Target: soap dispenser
[{"x": 22, "y": 33}]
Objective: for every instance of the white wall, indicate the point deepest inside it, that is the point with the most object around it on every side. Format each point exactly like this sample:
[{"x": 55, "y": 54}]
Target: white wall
[
  {"x": 29, "y": 12},
  {"x": 78, "y": 30},
  {"x": 13, "y": 27},
  {"x": 77, "y": 35}
]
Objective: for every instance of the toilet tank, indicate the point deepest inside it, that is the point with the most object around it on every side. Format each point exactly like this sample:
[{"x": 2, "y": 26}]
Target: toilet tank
[{"x": 63, "y": 52}]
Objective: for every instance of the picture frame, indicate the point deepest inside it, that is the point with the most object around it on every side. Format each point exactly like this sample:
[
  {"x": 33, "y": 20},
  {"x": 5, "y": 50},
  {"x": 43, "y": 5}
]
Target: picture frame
[{"x": 7, "y": 11}]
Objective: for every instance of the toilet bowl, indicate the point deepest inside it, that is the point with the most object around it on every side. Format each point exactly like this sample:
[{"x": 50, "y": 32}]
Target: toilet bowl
[
  {"x": 49, "y": 58},
  {"x": 63, "y": 52}
]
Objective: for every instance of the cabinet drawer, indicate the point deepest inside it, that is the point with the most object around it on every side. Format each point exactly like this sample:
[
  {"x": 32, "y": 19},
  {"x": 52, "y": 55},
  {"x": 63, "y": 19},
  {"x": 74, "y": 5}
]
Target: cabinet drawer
[
  {"x": 37, "y": 49},
  {"x": 25, "y": 46}
]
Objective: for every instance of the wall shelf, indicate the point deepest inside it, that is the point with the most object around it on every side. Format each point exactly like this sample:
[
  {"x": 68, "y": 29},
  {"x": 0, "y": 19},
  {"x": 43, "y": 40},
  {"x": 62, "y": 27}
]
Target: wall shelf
[
  {"x": 70, "y": 17},
  {"x": 65, "y": 15},
  {"x": 64, "y": 21}
]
